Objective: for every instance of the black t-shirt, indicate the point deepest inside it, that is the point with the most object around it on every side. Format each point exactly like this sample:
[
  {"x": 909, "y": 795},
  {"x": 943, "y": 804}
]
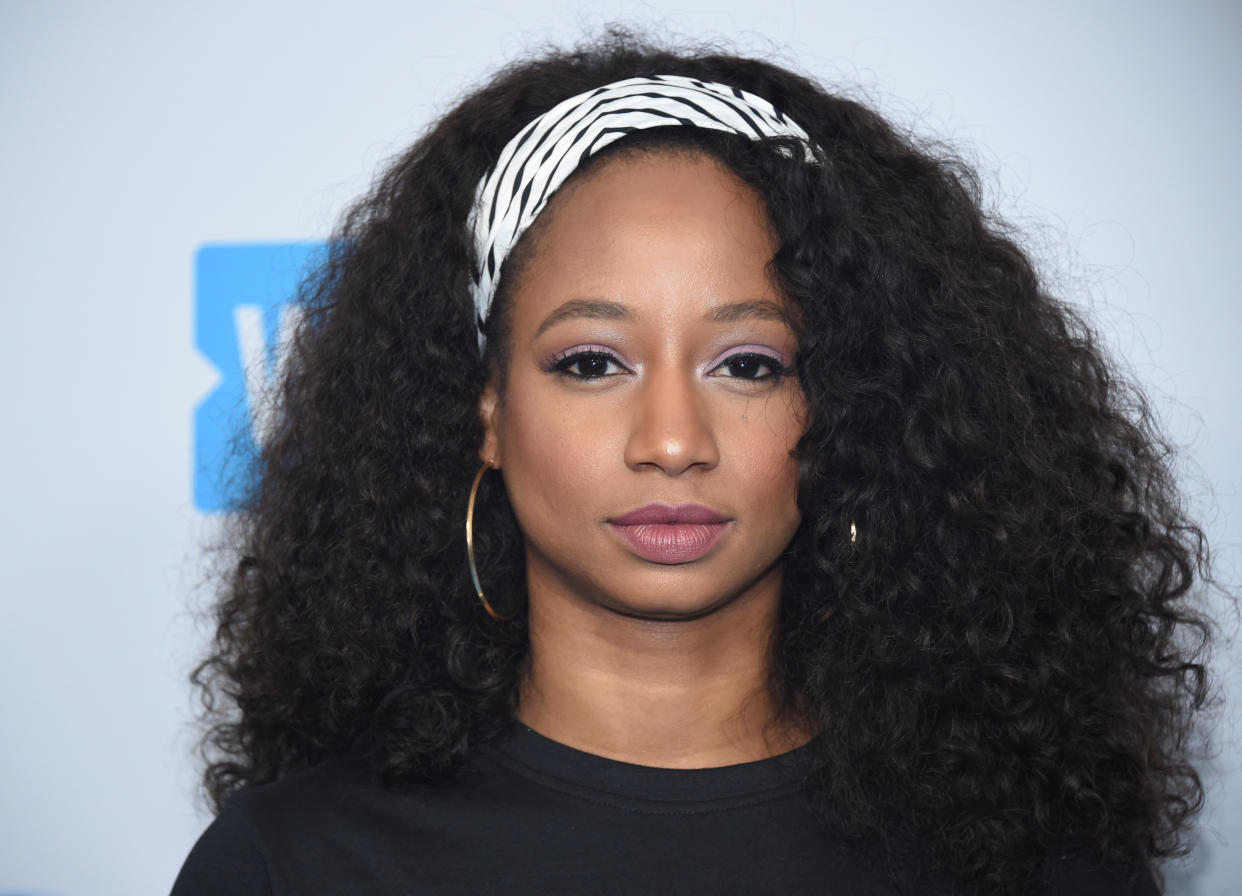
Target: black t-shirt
[{"x": 534, "y": 816}]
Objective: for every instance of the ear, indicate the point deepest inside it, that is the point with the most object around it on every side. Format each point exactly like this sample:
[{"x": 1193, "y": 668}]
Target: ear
[{"x": 489, "y": 413}]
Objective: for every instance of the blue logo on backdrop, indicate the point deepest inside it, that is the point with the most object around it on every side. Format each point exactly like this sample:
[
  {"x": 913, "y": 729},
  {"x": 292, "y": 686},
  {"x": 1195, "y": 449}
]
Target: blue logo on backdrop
[{"x": 243, "y": 318}]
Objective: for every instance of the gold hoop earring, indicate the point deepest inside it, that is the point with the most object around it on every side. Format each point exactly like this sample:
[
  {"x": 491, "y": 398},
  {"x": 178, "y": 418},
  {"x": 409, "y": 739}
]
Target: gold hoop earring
[
  {"x": 474, "y": 571},
  {"x": 853, "y": 534}
]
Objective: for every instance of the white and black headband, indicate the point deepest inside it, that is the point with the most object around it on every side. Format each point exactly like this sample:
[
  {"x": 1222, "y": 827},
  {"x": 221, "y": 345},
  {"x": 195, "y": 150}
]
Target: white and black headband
[{"x": 549, "y": 149}]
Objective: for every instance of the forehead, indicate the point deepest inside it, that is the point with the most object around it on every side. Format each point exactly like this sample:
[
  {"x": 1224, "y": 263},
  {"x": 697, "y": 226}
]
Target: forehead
[
  {"x": 653, "y": 184},
  {"x": 650, "y": 229}
]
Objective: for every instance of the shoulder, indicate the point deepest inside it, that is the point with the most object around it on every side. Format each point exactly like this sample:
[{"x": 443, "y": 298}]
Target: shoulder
[
  {"x": 308, "y": 798},
  {"x": 228, "y": 858},
  {"x": 336, "y": 828},
  {"x": 241, "y": 851},
  {"x": 1082, "y": 873}
]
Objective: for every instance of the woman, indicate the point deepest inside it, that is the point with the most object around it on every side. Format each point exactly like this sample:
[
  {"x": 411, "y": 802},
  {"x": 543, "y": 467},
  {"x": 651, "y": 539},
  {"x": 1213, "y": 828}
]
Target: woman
[{"x": 810, "y": 545}]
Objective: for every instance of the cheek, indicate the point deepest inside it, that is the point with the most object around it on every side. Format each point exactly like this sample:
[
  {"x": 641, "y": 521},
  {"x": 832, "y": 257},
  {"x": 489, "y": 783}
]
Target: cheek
[
  {"x": 774, "y": 475},
  {"x": 772, "y": 438},
  {"x": 552, "y": 455}
]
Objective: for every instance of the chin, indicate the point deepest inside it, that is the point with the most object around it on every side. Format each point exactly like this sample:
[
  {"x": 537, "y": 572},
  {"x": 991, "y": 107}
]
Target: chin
[
  {"x": 674, "y": 602},
  {"x": 668, "y": 612}
]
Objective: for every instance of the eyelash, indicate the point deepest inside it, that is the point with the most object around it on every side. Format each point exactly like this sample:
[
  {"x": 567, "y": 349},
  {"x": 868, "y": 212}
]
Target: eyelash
[
  {"x": 776, "y": 370},
  {"x": 564, "y": 363}
]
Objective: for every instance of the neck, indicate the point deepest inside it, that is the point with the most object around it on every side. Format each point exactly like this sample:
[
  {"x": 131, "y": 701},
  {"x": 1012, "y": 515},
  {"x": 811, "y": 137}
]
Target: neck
[{"x": 692, "y": 693}]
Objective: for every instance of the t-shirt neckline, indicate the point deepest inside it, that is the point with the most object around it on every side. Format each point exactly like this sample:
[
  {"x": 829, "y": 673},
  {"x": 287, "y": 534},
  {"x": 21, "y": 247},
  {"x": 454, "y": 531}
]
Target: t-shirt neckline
[{"x": 530, "y": 753}]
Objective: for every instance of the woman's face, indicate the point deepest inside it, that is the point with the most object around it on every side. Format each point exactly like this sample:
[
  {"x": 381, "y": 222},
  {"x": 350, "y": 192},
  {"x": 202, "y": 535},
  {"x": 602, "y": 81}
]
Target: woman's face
[{"x": 647, "y": 427}]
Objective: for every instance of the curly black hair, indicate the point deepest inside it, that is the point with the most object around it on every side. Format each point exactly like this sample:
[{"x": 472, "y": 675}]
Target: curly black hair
[{"x": 1006, "y": 662}]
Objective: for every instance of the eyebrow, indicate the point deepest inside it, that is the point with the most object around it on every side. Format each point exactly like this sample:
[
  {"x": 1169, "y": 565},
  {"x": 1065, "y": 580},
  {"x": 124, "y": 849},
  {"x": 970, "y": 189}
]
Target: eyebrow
[
  {"x": 598, "y": 309},
  {"x": 602, "y": 309},
  {"x": 756, "y": 310}
]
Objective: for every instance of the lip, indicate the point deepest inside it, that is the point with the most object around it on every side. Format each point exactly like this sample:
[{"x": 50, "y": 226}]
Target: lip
[{"x": 670, "y": 533}]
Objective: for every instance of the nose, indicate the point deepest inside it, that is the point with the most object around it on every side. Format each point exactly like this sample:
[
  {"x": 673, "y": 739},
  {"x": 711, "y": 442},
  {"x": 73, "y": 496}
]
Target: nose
[{"x": 671, "y": 426}]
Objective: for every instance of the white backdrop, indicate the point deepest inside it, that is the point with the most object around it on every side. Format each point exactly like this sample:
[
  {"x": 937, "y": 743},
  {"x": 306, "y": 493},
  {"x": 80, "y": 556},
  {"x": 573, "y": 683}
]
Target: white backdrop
[{"x": 134, "y": 133}]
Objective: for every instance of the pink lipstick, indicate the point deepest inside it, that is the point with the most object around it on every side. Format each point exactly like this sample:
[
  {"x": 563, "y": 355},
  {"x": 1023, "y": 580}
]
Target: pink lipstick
[{"x": 670, "y": 533}]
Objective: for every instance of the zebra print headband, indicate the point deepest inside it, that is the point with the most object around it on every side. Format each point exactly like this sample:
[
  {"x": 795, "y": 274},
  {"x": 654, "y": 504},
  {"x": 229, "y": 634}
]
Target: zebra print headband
[{"x": 549, "y": 149}]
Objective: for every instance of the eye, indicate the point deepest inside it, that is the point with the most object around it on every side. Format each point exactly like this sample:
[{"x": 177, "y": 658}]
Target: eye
[
  {"x": 589, "y": 364},
  {"x": 749, "y": 366}
]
